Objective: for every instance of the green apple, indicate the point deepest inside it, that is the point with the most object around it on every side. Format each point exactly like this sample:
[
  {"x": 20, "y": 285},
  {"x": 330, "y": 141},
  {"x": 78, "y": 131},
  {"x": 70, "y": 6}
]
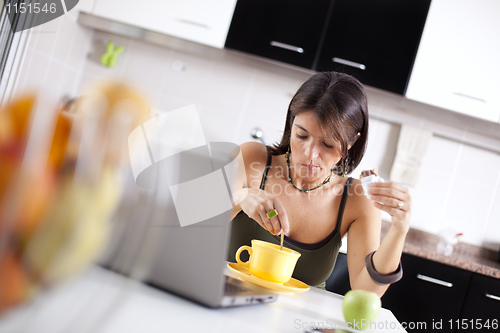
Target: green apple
[{"x": 360, "y": 307}]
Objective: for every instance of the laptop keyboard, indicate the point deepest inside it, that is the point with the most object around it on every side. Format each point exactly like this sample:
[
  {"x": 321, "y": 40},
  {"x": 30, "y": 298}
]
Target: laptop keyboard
[{"x": 231, "y": 289}]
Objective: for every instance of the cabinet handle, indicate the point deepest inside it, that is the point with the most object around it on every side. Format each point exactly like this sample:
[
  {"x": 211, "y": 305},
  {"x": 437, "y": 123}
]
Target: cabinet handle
[
  {"x": 433, "y": 280},
  {"x": 287, "y": 47},
  {"x": 349, "y": 63},
  {"x": 496, "y": 298},
  {"x": 201, "y": 25},
  {"x": 469, "y": 96}
]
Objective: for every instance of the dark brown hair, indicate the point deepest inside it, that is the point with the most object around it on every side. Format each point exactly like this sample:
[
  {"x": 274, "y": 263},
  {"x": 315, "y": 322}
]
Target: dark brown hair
[{"x": 339, "y": 103}]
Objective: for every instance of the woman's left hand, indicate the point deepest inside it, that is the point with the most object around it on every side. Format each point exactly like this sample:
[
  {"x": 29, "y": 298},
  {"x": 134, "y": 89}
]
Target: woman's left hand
[{"x": 394, "y": 199}]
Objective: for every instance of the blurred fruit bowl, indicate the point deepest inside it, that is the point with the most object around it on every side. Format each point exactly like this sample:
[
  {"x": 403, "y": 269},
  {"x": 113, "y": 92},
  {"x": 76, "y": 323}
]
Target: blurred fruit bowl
[{"x": 56, "y": 201}]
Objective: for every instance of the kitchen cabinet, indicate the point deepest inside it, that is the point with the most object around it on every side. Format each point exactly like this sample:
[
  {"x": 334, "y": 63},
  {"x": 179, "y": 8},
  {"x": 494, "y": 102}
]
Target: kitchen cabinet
[
  {"x": 429, "y": 292},
  {"x": 456, "y": 66},
  {"x": 482, "y": 305},
  {"x": 455, "y": 300},
  {"x": 200, "y": 21},
  {"x": 85, "y": 5},
  {"x": 375, "y": 41},
  {"x": 285, "y": 30}
]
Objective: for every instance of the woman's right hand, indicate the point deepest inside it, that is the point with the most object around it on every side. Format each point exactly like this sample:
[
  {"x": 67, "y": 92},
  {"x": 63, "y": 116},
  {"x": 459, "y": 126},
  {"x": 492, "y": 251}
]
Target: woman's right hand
[{"x": 256, "y": 203}]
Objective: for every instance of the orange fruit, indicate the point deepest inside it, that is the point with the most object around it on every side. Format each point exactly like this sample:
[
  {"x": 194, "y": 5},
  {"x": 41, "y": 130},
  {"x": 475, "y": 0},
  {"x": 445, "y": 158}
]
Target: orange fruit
[
  {"x": 14, "y": 283},
  {"x": 10, "y": 157},
  {"x": 37, "y": 199},
  {"x": 20, "y": 112},
  {"x": 121, "y": 105},
  {"x": 62, "y": 131},
  {"x": 13, "y": 125}
]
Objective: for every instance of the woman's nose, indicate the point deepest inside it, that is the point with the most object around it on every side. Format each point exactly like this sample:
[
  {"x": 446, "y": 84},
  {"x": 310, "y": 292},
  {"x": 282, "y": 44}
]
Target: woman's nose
[{"x": 312, "y": 151}]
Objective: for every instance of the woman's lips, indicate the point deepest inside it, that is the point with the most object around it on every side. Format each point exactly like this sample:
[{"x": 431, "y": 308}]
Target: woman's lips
[{"x": 310, "y": 167}]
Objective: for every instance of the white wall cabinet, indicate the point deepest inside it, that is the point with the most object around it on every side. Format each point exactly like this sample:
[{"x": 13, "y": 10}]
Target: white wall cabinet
[
  {"x": 200, "y": 21},
  {"x": 85, "y": 5},
  {"x": 458, "y": 61}
]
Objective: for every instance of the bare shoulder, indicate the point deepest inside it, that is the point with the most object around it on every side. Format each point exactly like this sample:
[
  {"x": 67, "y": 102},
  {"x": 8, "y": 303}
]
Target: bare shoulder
[
  {"x": 254, "y": 151},
  {"x": 255, "y": 159}
]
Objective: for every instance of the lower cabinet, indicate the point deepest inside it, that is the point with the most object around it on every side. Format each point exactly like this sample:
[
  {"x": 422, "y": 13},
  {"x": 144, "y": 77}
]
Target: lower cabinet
[
  {"x": 434, "y": 297},
  {"x": 428, "y": 296},
  {"x": 481, "y": 310}
]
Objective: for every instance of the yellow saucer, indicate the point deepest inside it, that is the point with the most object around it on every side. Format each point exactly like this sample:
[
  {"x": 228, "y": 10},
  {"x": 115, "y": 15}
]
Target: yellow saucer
[{"x": 292, "y": 286}]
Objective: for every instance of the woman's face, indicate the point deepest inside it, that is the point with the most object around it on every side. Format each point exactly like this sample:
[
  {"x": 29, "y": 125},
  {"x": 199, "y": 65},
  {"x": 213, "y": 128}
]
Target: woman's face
[{"x": 312, "y": 156}]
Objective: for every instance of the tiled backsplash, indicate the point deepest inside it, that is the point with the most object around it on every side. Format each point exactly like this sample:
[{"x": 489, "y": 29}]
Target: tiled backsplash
[
  {"x": 459, "y": 186},
  {"x": 55, "y": 57}
]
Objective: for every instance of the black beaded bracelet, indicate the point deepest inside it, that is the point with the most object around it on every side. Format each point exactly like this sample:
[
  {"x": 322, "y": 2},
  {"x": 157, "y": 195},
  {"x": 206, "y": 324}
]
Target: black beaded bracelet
[{"x": 382, "y": 279}]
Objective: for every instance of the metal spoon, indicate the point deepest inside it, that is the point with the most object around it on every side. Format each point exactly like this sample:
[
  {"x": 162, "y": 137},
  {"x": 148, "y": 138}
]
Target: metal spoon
[{"x": 282, "y": 238}]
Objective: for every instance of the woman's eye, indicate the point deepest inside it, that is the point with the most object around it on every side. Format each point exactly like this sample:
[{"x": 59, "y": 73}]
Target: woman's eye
[
  {"x": 302, "y": 137},
  {"x": 327, "y": 146}
]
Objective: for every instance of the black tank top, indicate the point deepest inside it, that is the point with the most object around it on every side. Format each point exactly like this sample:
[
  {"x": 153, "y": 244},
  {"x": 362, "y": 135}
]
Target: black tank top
[{"x": 317, "y": 260}]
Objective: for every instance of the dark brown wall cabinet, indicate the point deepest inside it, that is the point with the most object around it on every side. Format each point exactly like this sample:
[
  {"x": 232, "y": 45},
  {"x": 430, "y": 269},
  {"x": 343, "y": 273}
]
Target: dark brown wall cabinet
[
  {"x": 374, "y": 40},
  {"x": 283, "y": 30}
]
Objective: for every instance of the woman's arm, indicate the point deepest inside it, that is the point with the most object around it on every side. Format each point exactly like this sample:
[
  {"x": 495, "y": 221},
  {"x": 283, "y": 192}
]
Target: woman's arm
[
  {"x": 364, "y": 234},
  {"x": 247, "y": 195},
  {"x": 250, "y": 163}
]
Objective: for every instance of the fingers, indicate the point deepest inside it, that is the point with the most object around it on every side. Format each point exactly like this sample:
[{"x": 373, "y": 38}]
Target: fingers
[
  {"x": 260, "y": 204},
  {"x": 278, "y": 222},
  {"x": 395, "y": 199},
  {"x": 389, "y": 186},
  {"x": 393, "y": 211},
  {"x": 282, "y": 217},
  {"x": 391, "y": 195},
  {"x": 399, "y": 204},
  {"x": 275, "y": 225},
  {"x": 271, "y": 224}
]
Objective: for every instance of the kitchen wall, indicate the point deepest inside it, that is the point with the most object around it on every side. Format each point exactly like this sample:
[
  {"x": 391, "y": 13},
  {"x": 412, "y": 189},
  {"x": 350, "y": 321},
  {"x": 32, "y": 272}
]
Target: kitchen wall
[
  {"x": 54, "y": 57},
  {"x": 460, "y": 183}
]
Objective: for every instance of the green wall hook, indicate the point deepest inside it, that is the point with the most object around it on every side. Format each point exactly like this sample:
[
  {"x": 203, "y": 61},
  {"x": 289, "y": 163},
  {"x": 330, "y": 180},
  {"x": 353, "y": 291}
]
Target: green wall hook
[{"x": 108, "y": 59}]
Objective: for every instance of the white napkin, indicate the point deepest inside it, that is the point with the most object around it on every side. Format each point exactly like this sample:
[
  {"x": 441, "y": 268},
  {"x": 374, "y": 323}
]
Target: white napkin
[
  {"x": 366, "y": 181},
  {"x": 412, "y": 147}
]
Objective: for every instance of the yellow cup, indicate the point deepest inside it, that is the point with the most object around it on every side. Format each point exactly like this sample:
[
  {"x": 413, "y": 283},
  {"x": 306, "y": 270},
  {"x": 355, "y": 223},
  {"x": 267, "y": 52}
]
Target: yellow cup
[{"x": 268, "y": 262}]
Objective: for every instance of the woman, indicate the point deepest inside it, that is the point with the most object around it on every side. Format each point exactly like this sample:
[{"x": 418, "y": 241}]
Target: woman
[{"x": 302, "y": 179}]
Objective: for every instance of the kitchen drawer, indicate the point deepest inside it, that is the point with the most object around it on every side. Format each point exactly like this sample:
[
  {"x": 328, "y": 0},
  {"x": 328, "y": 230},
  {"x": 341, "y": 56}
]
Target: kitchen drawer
[
  {"x": 482, "y": 304},
  {"x": 428, "y": 292}
]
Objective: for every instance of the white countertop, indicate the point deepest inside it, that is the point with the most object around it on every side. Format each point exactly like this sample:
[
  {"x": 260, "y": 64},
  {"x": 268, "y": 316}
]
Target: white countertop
[{"x": 102, "y": 301}]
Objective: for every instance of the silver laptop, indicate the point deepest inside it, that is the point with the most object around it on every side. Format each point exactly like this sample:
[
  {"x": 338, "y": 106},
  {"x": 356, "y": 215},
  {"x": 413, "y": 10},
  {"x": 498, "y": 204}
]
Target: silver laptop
[
  {"x": 192, "y": 262},
  {"x": 189, "y": 260}
]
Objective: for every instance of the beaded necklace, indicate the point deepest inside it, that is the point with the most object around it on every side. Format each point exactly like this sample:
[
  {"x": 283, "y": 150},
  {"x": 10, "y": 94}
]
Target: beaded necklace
[{"x": 327, "y": 180}]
